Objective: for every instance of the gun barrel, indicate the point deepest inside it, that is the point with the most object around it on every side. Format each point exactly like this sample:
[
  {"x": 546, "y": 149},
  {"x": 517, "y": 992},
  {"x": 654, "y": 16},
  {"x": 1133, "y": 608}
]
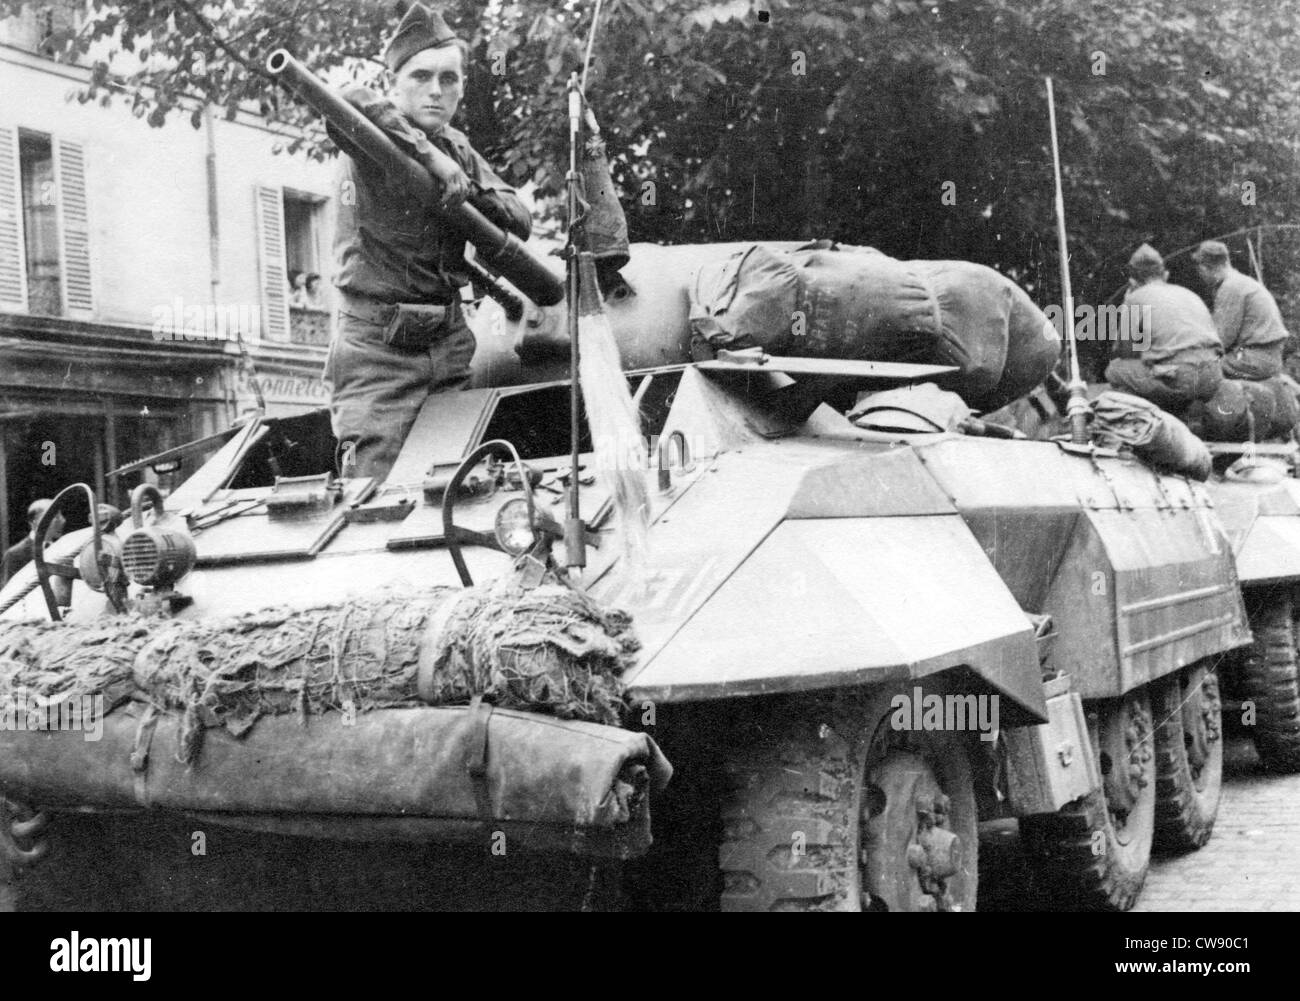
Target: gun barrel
[{"x": 500, "y": 251}]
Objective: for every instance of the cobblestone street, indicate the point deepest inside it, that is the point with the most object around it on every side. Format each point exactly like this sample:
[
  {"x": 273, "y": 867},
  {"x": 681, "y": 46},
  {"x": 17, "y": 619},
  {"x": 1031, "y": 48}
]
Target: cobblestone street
[
  {"x": 1251, "y": 864},
  {"x": 1253, "y": 861}
]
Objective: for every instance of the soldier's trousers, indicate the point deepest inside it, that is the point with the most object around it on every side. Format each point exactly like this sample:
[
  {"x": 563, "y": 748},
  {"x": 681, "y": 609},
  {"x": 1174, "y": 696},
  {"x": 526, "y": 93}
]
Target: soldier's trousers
[
  {"x": 377, "y": 390},
  {"x": 1254, "y": 363},
  {"x": 1172, "y": 386}
]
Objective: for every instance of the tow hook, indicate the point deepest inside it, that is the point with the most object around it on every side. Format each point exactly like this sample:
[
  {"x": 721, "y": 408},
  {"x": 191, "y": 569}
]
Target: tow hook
[{"x": 20, "y": 833}]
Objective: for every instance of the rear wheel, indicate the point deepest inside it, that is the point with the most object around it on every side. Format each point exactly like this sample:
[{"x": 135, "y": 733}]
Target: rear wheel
[
  {"x": 1093, "y": 854},
  {"x": 837, "y": 811},
  {"x": 1270, "y": 685},
  {"x": 1189, "y": 757}
]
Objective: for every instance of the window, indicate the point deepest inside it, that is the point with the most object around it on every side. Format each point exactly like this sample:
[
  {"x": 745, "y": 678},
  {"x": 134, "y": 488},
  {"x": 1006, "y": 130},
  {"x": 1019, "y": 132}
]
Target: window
[
  {"x": 290, "y": 225},
  {"x": 308, "y": 297},
  {"x": 40, "y": 223},
  {"x": 301, "y": 232},
  {"x": 43, "y": 27},
  {"x": 44, "y": 225}
]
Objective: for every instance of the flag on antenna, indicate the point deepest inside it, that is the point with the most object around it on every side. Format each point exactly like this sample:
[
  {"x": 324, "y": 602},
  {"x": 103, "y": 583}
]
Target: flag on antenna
[{"x": 601, "y": 225}]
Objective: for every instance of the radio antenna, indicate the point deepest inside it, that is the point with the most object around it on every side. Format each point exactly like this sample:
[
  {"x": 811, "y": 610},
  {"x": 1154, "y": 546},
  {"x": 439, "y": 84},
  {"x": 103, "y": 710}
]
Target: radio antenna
[{"x": 1077, "y": 407}]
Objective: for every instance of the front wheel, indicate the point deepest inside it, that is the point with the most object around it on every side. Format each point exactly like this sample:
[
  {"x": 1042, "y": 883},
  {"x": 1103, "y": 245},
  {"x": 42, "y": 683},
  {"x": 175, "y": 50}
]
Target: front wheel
[{"x": 834, "y": 810}]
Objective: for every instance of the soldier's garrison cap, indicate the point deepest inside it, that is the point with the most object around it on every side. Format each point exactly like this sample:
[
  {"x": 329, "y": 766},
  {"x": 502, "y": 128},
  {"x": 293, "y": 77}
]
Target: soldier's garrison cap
[
  {"x": 1146, "y": 262},
  {"x": 420, "y": 29},
  {"x": 1211, "y": 252}
]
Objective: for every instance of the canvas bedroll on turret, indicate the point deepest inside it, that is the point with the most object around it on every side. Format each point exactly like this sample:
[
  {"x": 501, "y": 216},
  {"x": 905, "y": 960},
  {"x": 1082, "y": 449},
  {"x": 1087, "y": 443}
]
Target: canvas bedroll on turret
[{"x": 816, "y": 300}]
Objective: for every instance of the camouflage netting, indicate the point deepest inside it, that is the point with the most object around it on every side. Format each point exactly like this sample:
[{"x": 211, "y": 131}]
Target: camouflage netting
[
  {"x": 352, "y": 657},
  {"x": 550, "y": 646},
  {"x": 550, "y": 649},
  {"x": 54, "y": 662}
]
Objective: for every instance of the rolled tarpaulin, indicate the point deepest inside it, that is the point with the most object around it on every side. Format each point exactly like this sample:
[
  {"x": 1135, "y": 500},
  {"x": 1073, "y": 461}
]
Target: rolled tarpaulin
[
  {"x": 1153, "y": 435},
  {"x": 310, "y": 713},
  {"x": 1244, "y": 410},
  {"x": 823, "y": 300},
  {"x": 584, "y": 780},
  {"x": 548, "y": 648}
]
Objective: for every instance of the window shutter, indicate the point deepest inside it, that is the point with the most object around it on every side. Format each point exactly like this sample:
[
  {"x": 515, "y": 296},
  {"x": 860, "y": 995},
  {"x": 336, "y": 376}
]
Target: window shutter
[
  {"x": 74, "y": 229},
  {"x": 274, "y": 278},
  {"x": 13, "y": 256}
]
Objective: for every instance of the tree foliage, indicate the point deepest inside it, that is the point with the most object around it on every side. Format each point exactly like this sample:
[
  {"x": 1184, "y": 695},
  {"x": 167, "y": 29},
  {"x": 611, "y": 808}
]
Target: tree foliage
[{"x": 851, "y": 120}]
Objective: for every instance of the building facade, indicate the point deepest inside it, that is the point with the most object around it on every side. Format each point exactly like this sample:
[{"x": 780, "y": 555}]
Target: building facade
[{"x": 144, "y": 274}]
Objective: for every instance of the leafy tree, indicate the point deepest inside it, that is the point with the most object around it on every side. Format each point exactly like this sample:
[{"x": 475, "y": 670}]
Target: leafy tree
[{"x": 851, "y": 121}]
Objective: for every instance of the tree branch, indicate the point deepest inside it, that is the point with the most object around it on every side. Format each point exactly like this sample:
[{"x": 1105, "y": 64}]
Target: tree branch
[{"x": 209, "y": 29}]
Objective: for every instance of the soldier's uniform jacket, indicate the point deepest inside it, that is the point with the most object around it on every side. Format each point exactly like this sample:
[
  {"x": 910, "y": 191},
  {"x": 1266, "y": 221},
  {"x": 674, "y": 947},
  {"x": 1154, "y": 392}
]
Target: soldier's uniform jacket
[
  {"x": 1246, "y": 313},
  {"x": 388, "y": 245},
  {"x": 1179, "y": 321},
  {"x": 1181, "y": 363}
]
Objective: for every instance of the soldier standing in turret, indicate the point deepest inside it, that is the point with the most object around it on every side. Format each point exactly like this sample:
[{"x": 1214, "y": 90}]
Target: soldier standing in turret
[{"x": 400, "y": 333}]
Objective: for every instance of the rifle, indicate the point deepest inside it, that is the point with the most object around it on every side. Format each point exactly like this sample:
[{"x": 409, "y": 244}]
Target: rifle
[{"x": 502, "y": 252}]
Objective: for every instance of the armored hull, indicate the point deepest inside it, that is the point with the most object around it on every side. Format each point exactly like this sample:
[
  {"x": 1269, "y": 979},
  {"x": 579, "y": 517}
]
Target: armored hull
[{"x": 804, "y": 576}]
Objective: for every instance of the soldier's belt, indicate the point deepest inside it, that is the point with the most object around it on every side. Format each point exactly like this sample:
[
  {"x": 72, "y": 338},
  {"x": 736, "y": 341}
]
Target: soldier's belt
[
  {"x": 363, "y": 307},
  {"x": 407, "y": 326}
]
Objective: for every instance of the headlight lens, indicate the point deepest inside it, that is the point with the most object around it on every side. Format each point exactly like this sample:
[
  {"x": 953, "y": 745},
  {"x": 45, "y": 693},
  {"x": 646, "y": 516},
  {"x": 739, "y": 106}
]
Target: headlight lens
[
  {"x": 90, "y": 572},
  {"x": 513, "y": 530}
]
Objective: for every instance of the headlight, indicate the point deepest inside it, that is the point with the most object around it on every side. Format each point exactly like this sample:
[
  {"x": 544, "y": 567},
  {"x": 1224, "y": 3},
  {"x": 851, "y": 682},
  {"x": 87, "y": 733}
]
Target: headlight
[
  {"x": 513, "y": 530},
  {"x": 158, "y": 555},
  {"x": 90, "y": 571}
]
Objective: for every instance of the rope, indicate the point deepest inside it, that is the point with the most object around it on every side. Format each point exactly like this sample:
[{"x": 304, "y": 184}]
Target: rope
[{"x": 550, "y": 649}]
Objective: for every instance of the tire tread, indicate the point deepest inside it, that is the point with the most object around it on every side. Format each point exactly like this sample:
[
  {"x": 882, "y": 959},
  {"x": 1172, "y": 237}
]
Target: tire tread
[{"x": 1271, "y": 680}]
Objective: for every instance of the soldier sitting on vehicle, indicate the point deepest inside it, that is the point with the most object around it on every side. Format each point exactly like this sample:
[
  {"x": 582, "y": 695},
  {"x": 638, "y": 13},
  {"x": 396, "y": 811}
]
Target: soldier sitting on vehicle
[
  {"x": 1246, "y": 315},
  {"x": 400, "y": 333},
  {"x": 1181, "y": 362}
]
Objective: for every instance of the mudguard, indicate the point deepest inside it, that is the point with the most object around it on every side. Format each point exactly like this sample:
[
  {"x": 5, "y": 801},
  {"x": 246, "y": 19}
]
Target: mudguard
[
  {"x": 799, "y": 565},
  {"x": 832, "y": 602}
]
